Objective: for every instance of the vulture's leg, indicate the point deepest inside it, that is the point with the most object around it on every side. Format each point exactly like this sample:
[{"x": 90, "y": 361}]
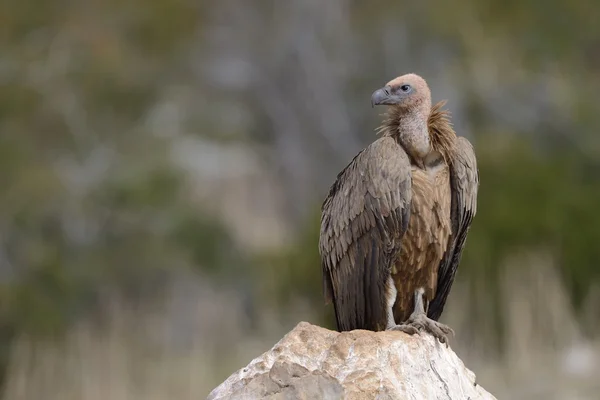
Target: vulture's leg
[
  {"x": 391, "y": 299},
  {"x": 418, "y": 321}
]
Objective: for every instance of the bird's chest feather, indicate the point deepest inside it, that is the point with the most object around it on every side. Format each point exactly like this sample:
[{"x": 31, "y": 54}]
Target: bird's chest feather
[{"x": 429, "y": 230}]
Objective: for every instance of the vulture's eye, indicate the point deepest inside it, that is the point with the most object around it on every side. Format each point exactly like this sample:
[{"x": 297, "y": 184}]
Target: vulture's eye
[{"x": 405, "y": 88}]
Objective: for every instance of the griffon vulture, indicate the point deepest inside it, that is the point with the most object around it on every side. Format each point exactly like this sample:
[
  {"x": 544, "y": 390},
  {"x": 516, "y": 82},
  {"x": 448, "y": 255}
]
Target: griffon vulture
[{"x": 395, "y": 221}]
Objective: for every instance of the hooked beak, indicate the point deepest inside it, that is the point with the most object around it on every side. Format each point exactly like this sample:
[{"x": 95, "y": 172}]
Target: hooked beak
[{"x": 381, "y": 96}]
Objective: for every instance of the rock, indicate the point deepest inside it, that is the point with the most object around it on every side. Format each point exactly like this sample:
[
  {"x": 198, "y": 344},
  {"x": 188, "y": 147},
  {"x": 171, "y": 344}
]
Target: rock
[{"x": 311, "y": 362}]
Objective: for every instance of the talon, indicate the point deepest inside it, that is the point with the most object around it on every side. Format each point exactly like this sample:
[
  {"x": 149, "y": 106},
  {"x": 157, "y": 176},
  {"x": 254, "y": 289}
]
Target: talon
[{"x": 421, "y": 322}]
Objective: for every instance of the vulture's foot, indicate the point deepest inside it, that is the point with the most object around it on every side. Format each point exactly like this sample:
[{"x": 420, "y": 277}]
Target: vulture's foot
[
  {"x": 421, "y": 322},
  {"x": 418, "y": 322}
]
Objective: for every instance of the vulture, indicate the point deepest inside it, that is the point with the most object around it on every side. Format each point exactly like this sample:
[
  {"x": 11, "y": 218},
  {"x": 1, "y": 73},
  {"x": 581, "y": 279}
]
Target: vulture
[{"x": 395, "y": 221}]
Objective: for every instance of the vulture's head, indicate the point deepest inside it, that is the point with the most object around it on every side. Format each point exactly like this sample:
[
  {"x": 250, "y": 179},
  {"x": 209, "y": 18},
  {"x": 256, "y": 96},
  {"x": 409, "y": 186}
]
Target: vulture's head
[{"x": 407, "y": 92}]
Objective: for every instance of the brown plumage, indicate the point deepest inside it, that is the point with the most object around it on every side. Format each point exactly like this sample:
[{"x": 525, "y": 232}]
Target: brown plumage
[{"x": 395, "y": 221}]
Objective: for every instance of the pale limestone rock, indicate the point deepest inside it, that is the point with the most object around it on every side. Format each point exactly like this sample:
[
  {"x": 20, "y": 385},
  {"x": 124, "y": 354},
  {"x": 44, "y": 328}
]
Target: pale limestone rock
[{"x": 311, "y": 362}]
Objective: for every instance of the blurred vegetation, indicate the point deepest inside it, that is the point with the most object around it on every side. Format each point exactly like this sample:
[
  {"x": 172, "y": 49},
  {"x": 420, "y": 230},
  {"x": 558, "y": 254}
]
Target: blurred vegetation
[{"x": 95, "y": 201}]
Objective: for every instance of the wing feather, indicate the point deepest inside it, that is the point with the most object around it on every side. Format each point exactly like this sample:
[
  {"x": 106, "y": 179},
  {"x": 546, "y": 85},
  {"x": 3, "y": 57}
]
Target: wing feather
[
  {"x": 464, "y": 181},
  {"x": 363, "y": 218}
]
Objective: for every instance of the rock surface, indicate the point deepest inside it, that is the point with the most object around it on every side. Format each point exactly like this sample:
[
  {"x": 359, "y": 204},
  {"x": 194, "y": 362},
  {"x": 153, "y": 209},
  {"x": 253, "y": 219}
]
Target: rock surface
[{"x": 311, "y": 362}]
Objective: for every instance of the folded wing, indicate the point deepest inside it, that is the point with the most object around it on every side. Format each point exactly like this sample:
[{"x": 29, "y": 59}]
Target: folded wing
[
  {"x": 363, "y": 218},
  {"x": 464, "y": 181}
]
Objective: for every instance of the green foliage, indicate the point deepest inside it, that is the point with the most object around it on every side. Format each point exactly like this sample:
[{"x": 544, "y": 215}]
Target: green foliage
[
  {"x": 209, "y": 245},
  {"x": 295, "y": 272},
  {"x": 301, "y": 275},
  {"x": 535, "y": 200},
  {"x": 143, "y": 230}
]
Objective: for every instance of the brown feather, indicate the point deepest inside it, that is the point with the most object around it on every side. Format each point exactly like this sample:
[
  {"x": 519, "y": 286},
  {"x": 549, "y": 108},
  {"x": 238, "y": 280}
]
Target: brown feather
[
  {"x": 443, "y": 137},
  {"x": 425, "y": 242}
]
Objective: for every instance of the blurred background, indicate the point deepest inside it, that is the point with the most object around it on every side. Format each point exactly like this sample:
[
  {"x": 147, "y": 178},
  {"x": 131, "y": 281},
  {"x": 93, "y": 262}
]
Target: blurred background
[{"x": 163, "y": 164}]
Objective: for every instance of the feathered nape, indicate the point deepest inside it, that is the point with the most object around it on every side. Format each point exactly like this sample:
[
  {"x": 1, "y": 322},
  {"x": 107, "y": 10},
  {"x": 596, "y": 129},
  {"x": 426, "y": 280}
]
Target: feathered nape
[{"x": 441, "y": 132}]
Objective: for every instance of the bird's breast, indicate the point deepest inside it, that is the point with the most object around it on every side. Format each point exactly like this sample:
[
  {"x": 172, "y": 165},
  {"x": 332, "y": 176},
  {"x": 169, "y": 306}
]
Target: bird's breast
[
  {"x": 429, "y": 227},
  {"x": 428, "y": 234}
]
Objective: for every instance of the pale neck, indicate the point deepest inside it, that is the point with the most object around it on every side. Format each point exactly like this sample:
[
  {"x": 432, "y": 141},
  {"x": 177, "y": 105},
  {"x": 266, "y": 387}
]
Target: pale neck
[{"x": 413, "y": 134}]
